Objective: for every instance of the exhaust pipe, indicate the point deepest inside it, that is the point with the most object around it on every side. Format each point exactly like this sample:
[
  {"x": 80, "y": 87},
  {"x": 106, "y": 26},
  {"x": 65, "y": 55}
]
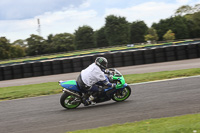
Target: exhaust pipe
[{"x": 70, "y": 92}]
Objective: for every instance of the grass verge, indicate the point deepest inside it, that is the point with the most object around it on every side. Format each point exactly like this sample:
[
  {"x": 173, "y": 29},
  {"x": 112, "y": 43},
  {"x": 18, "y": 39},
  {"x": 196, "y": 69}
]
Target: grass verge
[
  {"x": 14, "y": 92},
  {"x": 137, "y": 78},
  {"x": 179, "y": 124}
]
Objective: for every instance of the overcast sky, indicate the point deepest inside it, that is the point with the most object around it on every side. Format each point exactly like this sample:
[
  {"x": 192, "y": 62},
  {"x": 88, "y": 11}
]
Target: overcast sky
[{"x": 18, "y": 18}]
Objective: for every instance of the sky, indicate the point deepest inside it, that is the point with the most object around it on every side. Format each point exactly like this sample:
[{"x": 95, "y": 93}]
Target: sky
[{"x": 18, "y": 18}]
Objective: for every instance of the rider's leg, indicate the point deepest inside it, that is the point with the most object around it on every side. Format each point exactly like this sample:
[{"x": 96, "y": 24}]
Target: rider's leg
[{"x": 94, "y": 92}]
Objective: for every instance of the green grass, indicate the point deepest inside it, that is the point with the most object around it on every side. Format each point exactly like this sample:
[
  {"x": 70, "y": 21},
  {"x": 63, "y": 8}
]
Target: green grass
[
  {"x": 136, "y": 78},
  {"x": 179, "y": 124},
  {"x": 14, "y": 92}
]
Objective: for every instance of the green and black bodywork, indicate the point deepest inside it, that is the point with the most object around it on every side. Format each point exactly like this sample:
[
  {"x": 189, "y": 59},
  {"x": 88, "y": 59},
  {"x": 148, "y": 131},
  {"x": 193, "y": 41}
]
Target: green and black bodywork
[{"x": 72, "y": 95}]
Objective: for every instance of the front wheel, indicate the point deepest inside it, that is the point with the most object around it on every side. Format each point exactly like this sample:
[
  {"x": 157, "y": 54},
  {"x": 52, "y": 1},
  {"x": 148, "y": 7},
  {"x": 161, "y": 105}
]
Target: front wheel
[
  {"x": 69, "y": 101},
  {"x": 121, "y": 95}
]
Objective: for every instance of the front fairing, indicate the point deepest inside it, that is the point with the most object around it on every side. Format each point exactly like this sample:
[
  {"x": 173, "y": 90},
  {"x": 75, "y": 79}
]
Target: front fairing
[{"x": 120, "y": 80}]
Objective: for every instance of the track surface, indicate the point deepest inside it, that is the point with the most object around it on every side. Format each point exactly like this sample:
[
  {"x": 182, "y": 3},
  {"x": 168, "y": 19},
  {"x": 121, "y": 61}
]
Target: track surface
[
  {"x": 149, "y": 100},
  {"x": 156, "y": 67}
]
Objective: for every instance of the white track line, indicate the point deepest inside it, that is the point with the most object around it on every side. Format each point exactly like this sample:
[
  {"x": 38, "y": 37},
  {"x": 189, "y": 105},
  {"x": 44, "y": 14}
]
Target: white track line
[{"x": 157, "y": 81}]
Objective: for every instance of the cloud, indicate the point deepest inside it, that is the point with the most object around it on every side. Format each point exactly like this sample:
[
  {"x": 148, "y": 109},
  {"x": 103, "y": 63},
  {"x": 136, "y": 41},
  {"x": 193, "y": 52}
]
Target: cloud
[
  {"x": 67, "y": 20},
  {"x": 149, "y": 12},
  {"x": 59, "y": 16},
  {"x": 51, "y": 23},
  {"x": 182, "y": 2},
  {"x": 23, "y": 9}
]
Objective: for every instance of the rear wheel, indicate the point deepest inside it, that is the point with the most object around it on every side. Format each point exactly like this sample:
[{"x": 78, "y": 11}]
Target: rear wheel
[
  {"x": 69, "y": 101},
  {"x": 122, "y": 95}
]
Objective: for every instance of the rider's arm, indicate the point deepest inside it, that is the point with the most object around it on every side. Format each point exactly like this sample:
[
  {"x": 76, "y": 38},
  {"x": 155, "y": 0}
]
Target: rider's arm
[{"x": 107, "y": 83}]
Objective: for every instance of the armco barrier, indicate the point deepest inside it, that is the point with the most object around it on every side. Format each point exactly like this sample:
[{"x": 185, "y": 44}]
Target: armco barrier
[
  {"x": 57, "y": 67},
  {"x": 149, "y": 56},
  {"x": 1, "y": 73},
  {"x": 115, "y": 59},
  {"x": 77, "y": 64},
  {"x": 37, "y": 69},
  {"x": 27, "y": 70},
  {"x": 7, "y": 72},
  {"x": 17, "y": 71},
  {"x": 138, "y": 57},
  {"x": 67, "y": 65},
  {"x": 192, "y": 51},
  {"x": 47, "y": 67},
  {"x": 198, "y": 47},
  {"x": 170, "y": 53},
  {"x": 127, "y": 58},
  {"x": 87, "y": 60},
  {"x": 181, "y": 52},
  {"x": 160, "y": 55},
  {"x": 109, "y": 57}
]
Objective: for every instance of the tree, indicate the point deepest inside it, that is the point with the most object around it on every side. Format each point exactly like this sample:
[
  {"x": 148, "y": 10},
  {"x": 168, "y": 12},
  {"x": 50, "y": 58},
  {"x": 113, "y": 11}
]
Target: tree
[
  {"x": 17, "y": 51},
  {"x": 117, "y": 30},
  {"x": 177, "y": 24},
  {"x": 152, "y": 35},
  {"x": 84, "y": 37},
  {"x": 100, "y": 38},
  {"x": 8, "y": 51},
  {"x": 196, "y": 8},
  {"x": 35, "y": 45},
  {"x": 49, "y": 39},
  {"x": 169, "y": 35},
  {"x": 191, "y": 14},
  {"x": 186, "y": 9},
  {"x": 193, "y": 23},
  {"x": 180, "y": 27},
  {"x": 162, "y": 27},
  {"x": 4, "y": 48},
  {"x": 137, "y": 31},
  {"x": 62, "y": 42},
  {"x": 20, "y": 42},
  {"x": 49, "y": 47}
]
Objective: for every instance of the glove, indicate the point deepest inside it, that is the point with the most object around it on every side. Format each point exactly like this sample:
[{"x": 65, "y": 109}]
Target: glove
[
  {"x": 114, "y": 85},
  {"x": 107, "y": 72}
]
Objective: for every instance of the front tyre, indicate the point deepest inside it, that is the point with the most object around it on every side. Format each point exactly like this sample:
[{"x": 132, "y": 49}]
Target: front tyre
[
  {"x": 69, "y": 101},
  {"x": 121, "y": 95}
]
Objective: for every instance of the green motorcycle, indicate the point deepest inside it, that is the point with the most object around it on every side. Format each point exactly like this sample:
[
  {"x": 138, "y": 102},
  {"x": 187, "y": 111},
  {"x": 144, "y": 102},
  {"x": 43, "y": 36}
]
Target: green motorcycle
[{"x": 72, "y": 96}]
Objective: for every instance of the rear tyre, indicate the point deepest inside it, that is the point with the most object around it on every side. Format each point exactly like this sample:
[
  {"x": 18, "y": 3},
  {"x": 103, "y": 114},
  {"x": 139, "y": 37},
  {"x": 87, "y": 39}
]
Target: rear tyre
[
  {"x": 122, "y": 95},
  {"x": 69, "y": 101}
]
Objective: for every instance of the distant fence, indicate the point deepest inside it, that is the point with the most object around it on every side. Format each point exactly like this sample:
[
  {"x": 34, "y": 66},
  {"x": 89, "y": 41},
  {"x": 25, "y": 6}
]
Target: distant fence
[{"x": 115, "y": 59}]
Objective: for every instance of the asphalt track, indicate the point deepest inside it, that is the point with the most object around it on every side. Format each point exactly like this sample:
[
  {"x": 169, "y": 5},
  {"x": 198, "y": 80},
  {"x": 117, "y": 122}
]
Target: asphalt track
[
  {"x": 156, "y": 67},
  {"x": 44, "y": 114},
  {"x": 148, "y": 100}
]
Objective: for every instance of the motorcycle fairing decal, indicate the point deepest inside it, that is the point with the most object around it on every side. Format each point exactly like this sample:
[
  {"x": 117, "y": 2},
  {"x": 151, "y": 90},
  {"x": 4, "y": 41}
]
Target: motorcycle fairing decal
[{"x": 71, "y": 82}]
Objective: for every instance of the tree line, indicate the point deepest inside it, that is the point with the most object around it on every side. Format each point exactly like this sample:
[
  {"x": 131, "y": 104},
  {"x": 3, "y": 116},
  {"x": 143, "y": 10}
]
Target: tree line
[{"x": 185, "y": 23}]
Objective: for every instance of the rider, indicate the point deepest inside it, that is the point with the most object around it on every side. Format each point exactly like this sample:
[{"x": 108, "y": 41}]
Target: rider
[{"x": 93, "y": 74}]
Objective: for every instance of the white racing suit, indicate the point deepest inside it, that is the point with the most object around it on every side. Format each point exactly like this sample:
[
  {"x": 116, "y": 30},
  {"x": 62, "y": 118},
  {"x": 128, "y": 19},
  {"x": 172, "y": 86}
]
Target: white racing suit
[{"x": 90, "y": 76}]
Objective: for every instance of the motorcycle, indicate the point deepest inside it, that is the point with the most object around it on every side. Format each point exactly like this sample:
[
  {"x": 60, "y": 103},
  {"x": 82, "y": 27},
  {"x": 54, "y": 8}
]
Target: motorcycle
[{"x": 73, "y": 96}]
